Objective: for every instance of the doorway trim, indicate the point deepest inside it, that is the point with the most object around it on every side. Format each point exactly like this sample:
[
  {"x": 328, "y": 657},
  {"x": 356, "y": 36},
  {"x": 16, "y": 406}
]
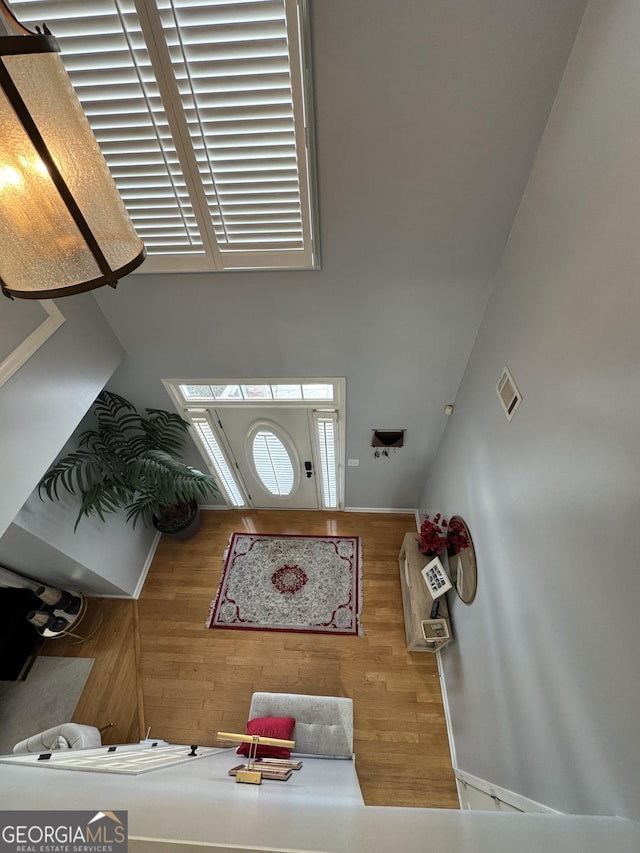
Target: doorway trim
[{"x": 323, "y": 398}]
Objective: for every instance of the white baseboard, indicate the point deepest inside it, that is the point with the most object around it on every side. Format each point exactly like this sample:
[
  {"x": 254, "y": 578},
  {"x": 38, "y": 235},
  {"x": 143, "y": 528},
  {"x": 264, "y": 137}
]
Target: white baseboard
[
  {"x": 111, "y": 595},
  {"x": 447, "y": 711},
  {"x": 147, "y": 565},
  {"x": 524, "y": 804},
  {"x": 379, "y": 509},
  {"x": 511, "y": 798},
  {"x": 401, "y": 510}
]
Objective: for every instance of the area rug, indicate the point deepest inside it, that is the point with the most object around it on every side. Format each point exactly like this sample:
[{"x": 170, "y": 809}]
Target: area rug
[
  {"x": 46, "y": 698},
  {"x": 306, "y": 584}
]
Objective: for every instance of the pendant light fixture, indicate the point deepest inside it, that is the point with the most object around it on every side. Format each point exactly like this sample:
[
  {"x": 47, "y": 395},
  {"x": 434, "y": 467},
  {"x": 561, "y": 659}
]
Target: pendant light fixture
[{"x": 63, "y": 226}]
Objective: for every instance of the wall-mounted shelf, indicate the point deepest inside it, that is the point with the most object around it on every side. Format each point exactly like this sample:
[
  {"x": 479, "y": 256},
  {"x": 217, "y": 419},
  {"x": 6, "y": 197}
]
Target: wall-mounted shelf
[
  {"x": 416, "y": 599},
  {"x": 388, "y": 438}
]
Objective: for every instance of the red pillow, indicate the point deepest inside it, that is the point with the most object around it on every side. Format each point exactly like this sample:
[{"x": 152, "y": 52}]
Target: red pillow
[{"x": 279, "y": 727}]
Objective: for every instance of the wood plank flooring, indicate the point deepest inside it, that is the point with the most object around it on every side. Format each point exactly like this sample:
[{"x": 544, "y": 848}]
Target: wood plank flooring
[
  {"x": 197, "y": 681},
  {"x": 194, "y": 681},
  {"x": 111, "y": 692}
]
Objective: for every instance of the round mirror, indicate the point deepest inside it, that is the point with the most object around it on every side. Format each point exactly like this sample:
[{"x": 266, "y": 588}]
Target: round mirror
[{"x": 462, "y": 559}]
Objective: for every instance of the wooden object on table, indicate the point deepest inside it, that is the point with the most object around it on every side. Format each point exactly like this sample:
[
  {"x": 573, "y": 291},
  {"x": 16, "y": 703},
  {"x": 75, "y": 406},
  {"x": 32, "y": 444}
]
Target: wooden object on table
[
  {"x": 417, "y": 600},
  {"x": 261, "y": 740},
  {"x": 280, "y": 774},
  {"x": 248, "y": 773},
  {"x": 291, "y": 763},
  {"x": 435, "y": 577},
  {"x": 435, "y": 629}
]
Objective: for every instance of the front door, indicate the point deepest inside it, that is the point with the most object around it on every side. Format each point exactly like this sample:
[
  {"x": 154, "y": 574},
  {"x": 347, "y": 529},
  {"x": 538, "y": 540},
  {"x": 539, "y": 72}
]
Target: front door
[{"x": 272, "y": 452}]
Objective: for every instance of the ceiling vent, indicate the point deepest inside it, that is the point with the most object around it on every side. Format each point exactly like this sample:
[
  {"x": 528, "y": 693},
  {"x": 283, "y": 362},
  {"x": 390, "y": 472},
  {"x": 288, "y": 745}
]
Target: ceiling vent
[{"x": 508, "y": 393}]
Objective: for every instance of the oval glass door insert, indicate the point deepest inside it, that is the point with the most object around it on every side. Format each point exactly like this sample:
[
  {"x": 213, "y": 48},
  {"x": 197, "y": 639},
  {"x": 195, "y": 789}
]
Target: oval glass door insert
[{"x": 272, "y": 463}]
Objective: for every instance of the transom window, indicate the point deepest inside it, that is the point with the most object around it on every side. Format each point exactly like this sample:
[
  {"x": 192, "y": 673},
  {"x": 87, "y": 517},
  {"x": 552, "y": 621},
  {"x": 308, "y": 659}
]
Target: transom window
[
  {"x": 202, "y": 109},
  {"x": 233, "y": 392}
]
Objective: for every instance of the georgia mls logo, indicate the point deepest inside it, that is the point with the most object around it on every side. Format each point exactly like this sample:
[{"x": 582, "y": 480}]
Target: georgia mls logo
[
  {"x": 64, "y": 832},
  {"x": 104, "y": 830}
]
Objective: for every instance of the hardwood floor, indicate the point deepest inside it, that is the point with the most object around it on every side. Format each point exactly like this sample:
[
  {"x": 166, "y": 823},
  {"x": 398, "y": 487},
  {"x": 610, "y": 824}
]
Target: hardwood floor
[
  {"x": 196, "y": 681},
  {"x": 111, "y": 692}
]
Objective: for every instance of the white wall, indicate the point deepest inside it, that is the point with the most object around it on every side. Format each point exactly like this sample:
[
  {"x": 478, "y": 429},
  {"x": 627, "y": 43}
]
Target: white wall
[
  {"x": 99, "y": 558},
  {"x": 46, "y": 398},
  {"x": 382, "y": 830},
  {"x": 318, "y": 808},
  {"x": 35, "y": 558},
  {"x": 303, "y": 324},
  {"x": 41, "y": 405},
  {"x": 110, "y": 551},
  {"x": 543, "y": 677},
  {"x": 19, "y": 320},
  {"x": 428, "y": 116}
]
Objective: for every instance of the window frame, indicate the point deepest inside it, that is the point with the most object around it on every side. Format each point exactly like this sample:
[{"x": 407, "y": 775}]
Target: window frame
[
  {"x": 182, "y": 150},
  {"x": 334, "y": 409}
]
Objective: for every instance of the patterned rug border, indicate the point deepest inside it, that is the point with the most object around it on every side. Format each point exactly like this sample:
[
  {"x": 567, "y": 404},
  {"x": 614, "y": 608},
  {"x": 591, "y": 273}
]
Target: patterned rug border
[{"x": 358, "y": 588}]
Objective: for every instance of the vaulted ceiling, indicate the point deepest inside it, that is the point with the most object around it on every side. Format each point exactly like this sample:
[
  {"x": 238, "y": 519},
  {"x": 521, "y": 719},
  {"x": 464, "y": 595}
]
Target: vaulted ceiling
[{"x": 428, "y": 115}]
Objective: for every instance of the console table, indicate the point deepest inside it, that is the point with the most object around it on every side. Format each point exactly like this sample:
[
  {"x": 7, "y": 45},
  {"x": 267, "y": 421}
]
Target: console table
[{"x": 416, "y": 598}]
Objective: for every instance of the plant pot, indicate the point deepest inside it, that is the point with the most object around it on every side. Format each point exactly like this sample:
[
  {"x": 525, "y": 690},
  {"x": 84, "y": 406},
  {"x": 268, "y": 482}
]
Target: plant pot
[
  {"x": 180, "y": 521},
  {"x": 428, "y": 552}
]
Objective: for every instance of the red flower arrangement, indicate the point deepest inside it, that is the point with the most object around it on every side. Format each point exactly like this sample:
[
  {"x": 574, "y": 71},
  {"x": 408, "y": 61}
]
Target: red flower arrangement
[
  {"x": 457, "y": 539},
  {"x": 433, "y": 535}
]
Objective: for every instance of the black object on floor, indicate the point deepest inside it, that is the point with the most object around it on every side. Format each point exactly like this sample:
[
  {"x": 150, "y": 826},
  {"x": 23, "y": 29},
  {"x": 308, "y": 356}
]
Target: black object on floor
[{"x": 18, "y": 637}]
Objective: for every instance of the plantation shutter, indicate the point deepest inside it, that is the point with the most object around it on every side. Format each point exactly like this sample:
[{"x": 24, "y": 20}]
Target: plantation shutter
[
  {"x": 201, "y": 110},
  {"x": 272, "y": 463},
  {"x": 326, "y": 423},
  {"x": 213, "y": 453}
]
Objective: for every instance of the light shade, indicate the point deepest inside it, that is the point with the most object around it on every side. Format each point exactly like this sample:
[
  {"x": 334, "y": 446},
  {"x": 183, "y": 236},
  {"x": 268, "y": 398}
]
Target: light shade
[{"x": 63, "y": 226}]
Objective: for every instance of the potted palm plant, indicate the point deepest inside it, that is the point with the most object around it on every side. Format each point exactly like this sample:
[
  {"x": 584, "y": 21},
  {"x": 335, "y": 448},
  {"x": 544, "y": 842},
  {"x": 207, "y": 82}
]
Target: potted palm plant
[{"x": 132, "y": 461}]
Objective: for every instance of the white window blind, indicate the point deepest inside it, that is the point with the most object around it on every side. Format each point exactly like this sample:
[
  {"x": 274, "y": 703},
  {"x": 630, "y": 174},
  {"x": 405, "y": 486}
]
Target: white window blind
[
  {"x": 326, "y": 435},
  {"x": 201, "y": 109},
  {"x": 273, "y": 463},
  {"x": 213, "y": 452}
]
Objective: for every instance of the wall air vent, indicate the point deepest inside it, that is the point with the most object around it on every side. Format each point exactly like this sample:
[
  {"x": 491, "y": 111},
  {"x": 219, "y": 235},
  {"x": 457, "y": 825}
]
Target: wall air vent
[{"x": 508, "y": 393}]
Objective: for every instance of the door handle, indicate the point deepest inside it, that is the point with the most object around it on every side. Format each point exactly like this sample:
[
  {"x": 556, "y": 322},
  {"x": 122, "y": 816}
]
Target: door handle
[{"x": 309, "y": 469}]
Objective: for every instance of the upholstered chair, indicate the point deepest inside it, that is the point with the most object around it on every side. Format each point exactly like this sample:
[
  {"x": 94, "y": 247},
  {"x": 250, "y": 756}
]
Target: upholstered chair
[{"x": 65, "y": 736}]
